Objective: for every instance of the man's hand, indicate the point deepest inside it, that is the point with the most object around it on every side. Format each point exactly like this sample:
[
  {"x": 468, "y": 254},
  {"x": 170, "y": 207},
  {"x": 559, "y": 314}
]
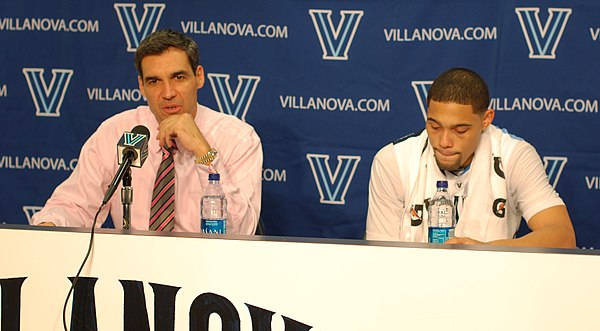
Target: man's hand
[
  {"x": 464, "y": 241},
  {"x": 186, "y": 131},
  {"x": 550, "y": 228}
]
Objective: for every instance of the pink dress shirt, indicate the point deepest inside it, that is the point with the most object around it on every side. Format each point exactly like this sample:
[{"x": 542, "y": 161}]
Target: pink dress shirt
[{"x": 75, "y": 202}]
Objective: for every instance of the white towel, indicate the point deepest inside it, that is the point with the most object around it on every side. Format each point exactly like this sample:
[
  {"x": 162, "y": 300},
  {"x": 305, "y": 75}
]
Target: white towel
[{"x": 483, "y": 215}]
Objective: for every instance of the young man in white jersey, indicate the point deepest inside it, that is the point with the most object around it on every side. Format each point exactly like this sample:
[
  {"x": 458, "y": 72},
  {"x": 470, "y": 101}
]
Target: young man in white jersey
[{"x": 495, "y": 178}]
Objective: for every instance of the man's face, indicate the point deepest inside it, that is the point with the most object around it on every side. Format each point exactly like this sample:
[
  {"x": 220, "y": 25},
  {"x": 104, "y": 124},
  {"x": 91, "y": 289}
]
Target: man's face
[
  {"x": 454, "y": 131},
  {"x": 169, "y": 83}
]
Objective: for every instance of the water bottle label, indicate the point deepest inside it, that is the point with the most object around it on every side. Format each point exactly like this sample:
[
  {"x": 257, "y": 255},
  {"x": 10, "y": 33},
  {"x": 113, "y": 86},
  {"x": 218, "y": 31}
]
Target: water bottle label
[
  {"x": 440, "y": 235},
  {"x": 444, "y": 216},
  {"x": 212, "y": 226}
]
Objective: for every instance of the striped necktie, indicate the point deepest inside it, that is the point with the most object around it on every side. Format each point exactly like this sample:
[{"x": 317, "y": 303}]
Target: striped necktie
[{"x": 162, "y": 211}]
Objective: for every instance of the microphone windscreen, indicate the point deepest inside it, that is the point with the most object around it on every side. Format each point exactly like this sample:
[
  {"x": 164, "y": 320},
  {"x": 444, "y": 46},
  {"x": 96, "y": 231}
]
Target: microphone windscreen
[
  {"x": 140, "y": 129},
  {"x": 134, "y": 145}
]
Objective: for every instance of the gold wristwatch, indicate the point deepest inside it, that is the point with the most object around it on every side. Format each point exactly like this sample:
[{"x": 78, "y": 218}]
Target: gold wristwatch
[{"x": 208, "y": 157}]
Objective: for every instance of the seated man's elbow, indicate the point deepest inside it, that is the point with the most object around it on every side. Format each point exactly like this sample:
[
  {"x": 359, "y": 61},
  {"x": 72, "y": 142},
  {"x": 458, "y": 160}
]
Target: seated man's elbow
[{"x": 569, "y": 238}]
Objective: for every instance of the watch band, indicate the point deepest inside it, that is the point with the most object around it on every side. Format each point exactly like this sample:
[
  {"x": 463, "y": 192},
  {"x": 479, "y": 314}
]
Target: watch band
[{"x": 208, "y": 157}]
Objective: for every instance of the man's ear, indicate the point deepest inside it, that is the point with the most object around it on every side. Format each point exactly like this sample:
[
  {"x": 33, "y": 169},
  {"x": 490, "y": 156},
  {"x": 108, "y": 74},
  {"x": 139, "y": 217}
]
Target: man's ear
[
  {"x": 200, "y": 76},
  {"x": 488, "y": 117},
  {"x": 141, "y": 85}
]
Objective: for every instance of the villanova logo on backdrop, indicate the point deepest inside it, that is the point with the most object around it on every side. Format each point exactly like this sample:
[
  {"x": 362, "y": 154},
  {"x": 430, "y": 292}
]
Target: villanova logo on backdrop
[
  {"x": 135, "y": 29},
  {"x": 30, "y": 210},
  {"x": 554, "y": 166},
  {"x": 421, "y": 88},
  {"x": 333, "y": 187},
  {"x": 335, "y": 41},
  {"x": 543, "y": 40},
  {"x": 234, "y": 103},
  {"x": 47, "y": 97}
]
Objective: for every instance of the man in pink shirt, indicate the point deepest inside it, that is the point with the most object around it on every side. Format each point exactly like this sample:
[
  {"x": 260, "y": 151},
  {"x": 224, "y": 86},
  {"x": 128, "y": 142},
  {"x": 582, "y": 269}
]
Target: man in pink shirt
[{"x": 169, "y": 76}]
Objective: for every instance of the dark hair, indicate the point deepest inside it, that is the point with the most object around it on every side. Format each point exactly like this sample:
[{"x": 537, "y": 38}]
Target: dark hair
[
  {"x": 160, "y": 40},
  {"x": 462, "y": 86}
]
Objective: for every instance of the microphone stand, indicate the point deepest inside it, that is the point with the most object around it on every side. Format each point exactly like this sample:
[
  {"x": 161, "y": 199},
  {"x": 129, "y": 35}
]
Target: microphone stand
[{"x": 127, "y": 199}]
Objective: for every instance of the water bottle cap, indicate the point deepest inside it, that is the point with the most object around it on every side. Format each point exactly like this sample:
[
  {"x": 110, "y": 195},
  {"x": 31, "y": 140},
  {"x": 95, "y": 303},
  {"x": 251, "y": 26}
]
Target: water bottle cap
[
  {"x": 442, "y": 184},
  {"x": 214, "y": 177}
]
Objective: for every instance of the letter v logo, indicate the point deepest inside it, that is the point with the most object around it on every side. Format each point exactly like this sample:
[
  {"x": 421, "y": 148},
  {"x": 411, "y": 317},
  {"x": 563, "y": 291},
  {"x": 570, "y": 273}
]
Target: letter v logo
[
  {"x": 333, "y": 186},
  {"x": 554, "y": 166},
  {"x": 421, "y": 88},
  {"x": 47, "y": 98},
  {"x": 131, "y": 139},
  {"x": 543, "y": 41},
  {"x": 335, "y": 41},
  {"x": 30, "y": 210},
  {"x": 234, "y": 103},
  {"x": 135, "y": 29}
]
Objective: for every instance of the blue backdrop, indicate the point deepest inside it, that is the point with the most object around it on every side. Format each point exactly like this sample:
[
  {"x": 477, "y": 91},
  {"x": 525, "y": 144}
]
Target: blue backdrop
[{"x": 325, "y": 84}]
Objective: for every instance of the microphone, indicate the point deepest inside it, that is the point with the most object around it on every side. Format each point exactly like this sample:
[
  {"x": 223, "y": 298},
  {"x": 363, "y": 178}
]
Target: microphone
[{"x": 133, "y": 149}]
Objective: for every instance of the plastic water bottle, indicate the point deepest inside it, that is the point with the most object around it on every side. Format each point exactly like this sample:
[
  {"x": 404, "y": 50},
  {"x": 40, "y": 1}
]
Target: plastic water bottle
[
  {"x": 213, "y": 207},
  {"x": 442, "y": 216}
]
